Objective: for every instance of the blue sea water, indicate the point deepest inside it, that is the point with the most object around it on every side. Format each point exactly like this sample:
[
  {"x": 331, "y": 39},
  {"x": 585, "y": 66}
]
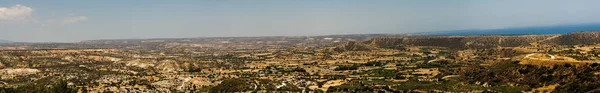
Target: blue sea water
[{"x": 560, "y": 29}]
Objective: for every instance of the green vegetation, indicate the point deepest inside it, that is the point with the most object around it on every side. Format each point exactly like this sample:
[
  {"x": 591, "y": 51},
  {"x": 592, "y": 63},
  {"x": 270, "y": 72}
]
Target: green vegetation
[
  {"x": 249, "y": 84},
  {"x": 335, "y": 77},
  {"x": 381, "y": 73},
  {"x": 411, "y": 85},
  {"x": 352, "y": 67},
  {"x": 452, "y": 86},
  {"x": 296, "y": 69},
  {"x": 580, "y": 78},
  {"x": 232, "y": 85},
  {"x": 58, "y": 87},
  {"x": 438, "y": 64},
  {"x": 374, "y": 63}
]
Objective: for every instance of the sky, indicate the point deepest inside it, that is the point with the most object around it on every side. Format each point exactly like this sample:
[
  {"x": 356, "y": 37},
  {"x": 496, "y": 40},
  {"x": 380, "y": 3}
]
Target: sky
[{"x": 77, "y": 20}]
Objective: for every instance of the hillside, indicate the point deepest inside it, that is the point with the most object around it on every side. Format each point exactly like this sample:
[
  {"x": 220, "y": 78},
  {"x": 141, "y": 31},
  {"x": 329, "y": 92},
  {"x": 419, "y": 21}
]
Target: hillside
[
  {"x": 458, "y": 42},
  {"x": 461, "y": 42},
  {"x": 576, "y": 38},
  {"x": 352, "y": 46}
]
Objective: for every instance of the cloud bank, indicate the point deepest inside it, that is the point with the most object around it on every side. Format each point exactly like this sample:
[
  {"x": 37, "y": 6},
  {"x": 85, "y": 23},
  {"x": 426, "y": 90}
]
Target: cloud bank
[
  {"x": 20, "y": 13},
  {"x": 16, "y": 12}
]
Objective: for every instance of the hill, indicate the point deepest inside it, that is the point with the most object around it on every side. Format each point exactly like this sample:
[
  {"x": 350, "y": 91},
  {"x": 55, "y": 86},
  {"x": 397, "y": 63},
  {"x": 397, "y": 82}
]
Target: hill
[
  {"x": 352, "y": 46},
  {"x": 458, "y": 42},
  {"x": 5, "y": 41},
  {"x": 576, "y": 38},
  {"x": 490, "y": 41}
]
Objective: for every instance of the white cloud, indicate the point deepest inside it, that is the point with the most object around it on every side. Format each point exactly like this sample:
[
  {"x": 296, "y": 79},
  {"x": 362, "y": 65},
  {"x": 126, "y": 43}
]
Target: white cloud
[
  {"x": 22, "y": 14},
  {"x": 16, "y": 12},
  {"x": 71, "y": 20}
]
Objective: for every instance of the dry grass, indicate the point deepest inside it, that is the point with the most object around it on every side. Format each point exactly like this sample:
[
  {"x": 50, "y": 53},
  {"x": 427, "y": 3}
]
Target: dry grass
[
  {"x": 332, "y": 83},
  {"x": 548, "y": 60},
  {"x": 544, "y": 89}
]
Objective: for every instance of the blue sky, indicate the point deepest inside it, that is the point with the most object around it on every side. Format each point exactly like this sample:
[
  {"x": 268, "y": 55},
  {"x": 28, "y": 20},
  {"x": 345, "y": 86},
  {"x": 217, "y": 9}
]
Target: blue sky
[{"x": 76, "y": 20}]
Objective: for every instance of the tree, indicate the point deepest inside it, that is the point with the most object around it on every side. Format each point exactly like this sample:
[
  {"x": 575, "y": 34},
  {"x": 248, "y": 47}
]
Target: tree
[
  {"x": 62, "y": 87},
  {"x": 231, "y": 85}
]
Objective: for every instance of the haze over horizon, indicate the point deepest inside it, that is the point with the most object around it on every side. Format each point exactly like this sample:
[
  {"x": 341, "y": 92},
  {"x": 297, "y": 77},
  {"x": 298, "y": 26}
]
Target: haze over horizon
[{"x": 72, "y": 21}]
